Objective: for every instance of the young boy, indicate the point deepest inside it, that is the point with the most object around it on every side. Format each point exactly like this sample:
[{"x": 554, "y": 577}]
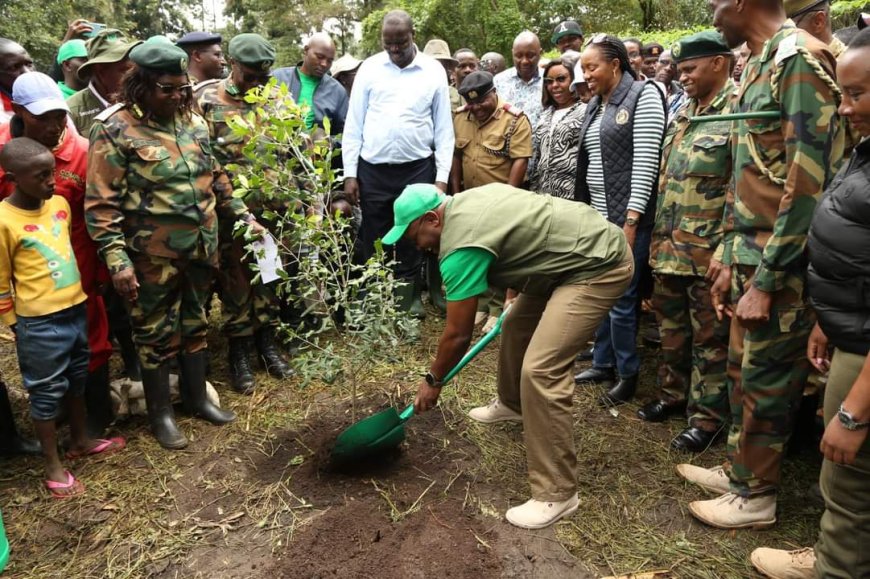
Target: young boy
[{"x": 47, "y": 313}]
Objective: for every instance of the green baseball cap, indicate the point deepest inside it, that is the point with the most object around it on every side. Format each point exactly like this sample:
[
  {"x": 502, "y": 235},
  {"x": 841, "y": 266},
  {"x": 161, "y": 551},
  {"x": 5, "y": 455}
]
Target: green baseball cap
[
  {"x": 412, "y": 204},
  {"x": 74, "y": 48},
  {"x": 705, "y": 43},
  {"x": 252, "y": 50}
]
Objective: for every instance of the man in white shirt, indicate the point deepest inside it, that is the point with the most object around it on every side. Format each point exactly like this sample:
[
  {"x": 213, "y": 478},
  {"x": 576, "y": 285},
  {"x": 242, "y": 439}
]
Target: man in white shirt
[{"x": 399, "y": 131}]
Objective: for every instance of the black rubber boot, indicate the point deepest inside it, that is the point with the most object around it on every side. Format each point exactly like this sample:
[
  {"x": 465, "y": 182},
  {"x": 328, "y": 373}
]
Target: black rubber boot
[
  {"x": 130, "y": 356},
  {"x": 98, "y": 402},
  {"x": 270, "y": 356},
  {"x": 621, "y": 393},
  {"x": 192, "y": 385},
  {"x": 433, "y": 281},
  {"x": 160, "y": 413},
  {"x": 241, "y": 375},
  {"x": 12, "y": 443},
  {"x": 417, "y": 310}
]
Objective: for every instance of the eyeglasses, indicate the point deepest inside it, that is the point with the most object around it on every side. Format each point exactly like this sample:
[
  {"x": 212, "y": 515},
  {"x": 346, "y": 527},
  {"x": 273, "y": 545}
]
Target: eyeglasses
[
  {"x": 560, "y": 79},
  {"x": 168, "y": 89}
]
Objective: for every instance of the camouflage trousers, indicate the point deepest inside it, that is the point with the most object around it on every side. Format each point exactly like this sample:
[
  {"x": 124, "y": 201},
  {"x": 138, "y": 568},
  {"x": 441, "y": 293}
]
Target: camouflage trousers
[
  {"x": 170, "y": 313},
  {"x": 767, "y": 372},
  {"x": 246, "y": 306},
  {"x": 694, "y": 349}
]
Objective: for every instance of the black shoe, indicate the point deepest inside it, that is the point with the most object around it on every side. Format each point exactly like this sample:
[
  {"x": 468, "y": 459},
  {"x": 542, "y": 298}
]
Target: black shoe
[
  {"x": 585, "y": 355},
  {"x": 193, "y": 393},
  {"x": 694, "y": 439},
  {"x": 241, "y": 375},
  {"x": 161, "y": 417},
  {"x": 11, "y": 442},
  {"x": 98, "y": 402},
  {"x": 595, "y": 375},
  {"x": 270, "y": 356},
  {"x": 651, "y": 337},
  {"x": 660, "y": 410},
  {"x": 621, "y": 393}
]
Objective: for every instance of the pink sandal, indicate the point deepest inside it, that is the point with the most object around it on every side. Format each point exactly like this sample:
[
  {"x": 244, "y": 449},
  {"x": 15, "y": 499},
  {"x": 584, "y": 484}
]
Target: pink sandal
[
  {"x": 104, "y": 446},
  {"x": 72, "y": 484}
]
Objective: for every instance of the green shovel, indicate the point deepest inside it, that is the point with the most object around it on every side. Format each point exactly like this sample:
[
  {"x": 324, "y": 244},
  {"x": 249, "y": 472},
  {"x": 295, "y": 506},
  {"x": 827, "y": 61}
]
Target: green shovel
[{"x": 386, "y": 429}]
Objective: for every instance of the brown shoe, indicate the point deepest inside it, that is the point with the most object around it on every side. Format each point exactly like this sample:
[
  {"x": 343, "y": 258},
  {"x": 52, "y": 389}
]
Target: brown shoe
[{"x": 782, "y": 564}]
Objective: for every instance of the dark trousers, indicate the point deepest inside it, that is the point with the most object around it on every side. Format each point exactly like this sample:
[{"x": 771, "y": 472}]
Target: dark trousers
[{"x": 379, "y": 186}]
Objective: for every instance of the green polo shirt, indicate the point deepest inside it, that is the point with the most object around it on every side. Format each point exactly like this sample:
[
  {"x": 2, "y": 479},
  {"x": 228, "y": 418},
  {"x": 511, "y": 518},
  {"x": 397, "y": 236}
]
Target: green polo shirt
[{"x": 306, "y": 95}]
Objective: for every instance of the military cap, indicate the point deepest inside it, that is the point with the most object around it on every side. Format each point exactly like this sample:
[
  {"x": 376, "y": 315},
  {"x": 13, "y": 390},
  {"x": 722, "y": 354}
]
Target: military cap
[
  {"x": 566, "y": 28},
  {"x": 160, "y": 57},
  {"x": 252, "y": 50},
  {"x": 652, "y": 49},
  {"x": 705, "y": 43},
  {"x": 476, "y": 85},
  {"x": 107, "y": 47},
  {"x": 794, "y": 8},
  {"x": 198, "y": 37}
]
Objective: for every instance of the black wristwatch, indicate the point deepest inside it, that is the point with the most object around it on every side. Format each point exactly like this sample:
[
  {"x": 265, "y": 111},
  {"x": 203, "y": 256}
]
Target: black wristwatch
[
  {"x": 848, "y": 421},
  {"x": 432, "y": 381}
]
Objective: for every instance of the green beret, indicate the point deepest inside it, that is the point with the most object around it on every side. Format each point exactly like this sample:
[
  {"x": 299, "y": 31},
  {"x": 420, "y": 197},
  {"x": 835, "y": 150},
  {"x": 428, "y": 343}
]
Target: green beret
[
  {"x": 160, "y": 57},
  {"x": 706, "y": 43},
  {"x": 252, "y": 50},
  {"x": 795, "y": 8}
]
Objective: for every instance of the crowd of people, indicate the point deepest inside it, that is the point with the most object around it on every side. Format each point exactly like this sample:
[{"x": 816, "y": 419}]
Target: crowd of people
[{"x": 719, "y": 182}]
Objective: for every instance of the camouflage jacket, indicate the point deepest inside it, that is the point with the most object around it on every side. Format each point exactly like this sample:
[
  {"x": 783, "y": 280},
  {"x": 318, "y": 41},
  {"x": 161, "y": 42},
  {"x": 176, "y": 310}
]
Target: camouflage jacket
[
  {"x": 217, "y": 101},
  {"x": 782, "y": 164},
  {"x": 695, "y": 172},
  {"x": 154, "y": 188}
]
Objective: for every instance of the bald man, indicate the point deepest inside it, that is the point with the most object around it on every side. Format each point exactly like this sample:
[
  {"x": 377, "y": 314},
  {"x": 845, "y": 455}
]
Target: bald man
[
  {"x": 522, "y": 84},
  {"x": 310, "y": 85},
  {"x": 14, "y": 61}
]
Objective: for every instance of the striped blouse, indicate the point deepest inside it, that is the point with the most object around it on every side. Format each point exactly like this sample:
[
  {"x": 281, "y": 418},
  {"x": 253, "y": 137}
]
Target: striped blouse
[{"x": 649, "y": 126}]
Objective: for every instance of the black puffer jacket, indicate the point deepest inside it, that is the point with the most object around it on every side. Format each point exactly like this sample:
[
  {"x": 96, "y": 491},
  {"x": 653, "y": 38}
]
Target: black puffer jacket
[{"x": 839, "y": 249}]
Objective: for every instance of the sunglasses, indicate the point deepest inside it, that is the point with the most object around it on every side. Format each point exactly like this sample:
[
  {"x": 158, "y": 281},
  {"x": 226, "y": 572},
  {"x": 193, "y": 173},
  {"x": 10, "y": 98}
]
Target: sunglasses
[
  {"x": 560, "y": 79},
  {"x": 168, "y": 89},
  {"x": 249, "y": 78}
]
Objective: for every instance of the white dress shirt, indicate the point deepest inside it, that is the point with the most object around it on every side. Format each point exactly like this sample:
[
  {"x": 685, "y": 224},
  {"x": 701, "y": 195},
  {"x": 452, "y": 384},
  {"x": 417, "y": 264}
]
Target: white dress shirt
[{"x": 399, "y": 115}]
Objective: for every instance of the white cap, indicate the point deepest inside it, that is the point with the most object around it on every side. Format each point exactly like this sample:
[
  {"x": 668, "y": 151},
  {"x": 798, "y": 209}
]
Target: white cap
[
  {"x": 38, "y": 93},
  {"x": 578, "y": 76},
  {"x": 344, "y": 64}
]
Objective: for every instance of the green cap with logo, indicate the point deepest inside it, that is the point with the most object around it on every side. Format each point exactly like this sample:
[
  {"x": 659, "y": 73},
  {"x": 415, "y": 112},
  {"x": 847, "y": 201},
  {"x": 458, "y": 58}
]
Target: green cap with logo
[
  {"x": 412, "y": 204},
  {"x": 701, "y": 44},
  {"x": 252, "y": 50},
  {"x": 160, "y": 57}
]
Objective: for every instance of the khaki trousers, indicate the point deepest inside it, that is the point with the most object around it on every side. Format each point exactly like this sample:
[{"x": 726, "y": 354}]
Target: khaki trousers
[
  {"x": 843, "y": 550},
  {"x": 541, "y": 337}
]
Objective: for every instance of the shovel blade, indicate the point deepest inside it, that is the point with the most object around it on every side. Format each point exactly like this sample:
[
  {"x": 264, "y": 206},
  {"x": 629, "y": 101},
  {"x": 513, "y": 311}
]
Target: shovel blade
[{"x": 377, "y": 432}]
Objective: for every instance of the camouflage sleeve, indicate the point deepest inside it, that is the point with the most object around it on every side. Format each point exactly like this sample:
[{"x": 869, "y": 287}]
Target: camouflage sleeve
[
  {"x": 809, "y": 125},
  {"x": 106, "y": 188},
  {"x": 227, "y": 206},
  {"x": 726, "y": 246}
]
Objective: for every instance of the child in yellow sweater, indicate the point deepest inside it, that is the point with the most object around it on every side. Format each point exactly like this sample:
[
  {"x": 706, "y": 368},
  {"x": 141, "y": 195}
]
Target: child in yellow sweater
[{"x": 42, "y": 300}]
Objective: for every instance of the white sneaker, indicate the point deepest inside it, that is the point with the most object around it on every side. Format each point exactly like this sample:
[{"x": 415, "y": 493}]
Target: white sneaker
[
  {"x": 712, "y": 480},
  {"x": 731, "y": 511},
  {"x": 479, "y": 318},
  {"x": 782, "y": 564},
  {"x": 534, "y": 514},
  {"x": 495, "y": 411},
  {"x": 490, "y": 324}
]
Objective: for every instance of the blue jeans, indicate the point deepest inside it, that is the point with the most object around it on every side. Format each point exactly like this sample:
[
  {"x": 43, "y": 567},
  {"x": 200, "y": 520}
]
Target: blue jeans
[
  {"x": 616, "y": 337},
  {"x": 53, "y": 358}
]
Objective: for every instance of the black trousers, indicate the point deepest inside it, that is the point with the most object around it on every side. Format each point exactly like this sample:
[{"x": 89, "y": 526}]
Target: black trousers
[{"x": 379, "y": 186}]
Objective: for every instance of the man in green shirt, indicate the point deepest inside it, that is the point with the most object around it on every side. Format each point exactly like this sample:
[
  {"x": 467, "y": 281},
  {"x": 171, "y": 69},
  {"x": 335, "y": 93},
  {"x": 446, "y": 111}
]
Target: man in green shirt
[
  {"x": 72, "y": 54},
  {"x": 564, "y": 266}
]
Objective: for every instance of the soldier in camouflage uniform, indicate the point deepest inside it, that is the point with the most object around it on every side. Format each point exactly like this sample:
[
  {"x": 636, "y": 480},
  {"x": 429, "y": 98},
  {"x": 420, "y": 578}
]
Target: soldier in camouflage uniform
[
  {"x": 249, "y": 309},
  {"x": 152, "y": 195},
  {"x": 783, "y": 156},
  {"x": 696, "y": 165}
]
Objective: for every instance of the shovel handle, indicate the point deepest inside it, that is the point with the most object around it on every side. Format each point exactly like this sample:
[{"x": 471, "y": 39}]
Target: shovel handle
[{"x": 408, "y": 412}]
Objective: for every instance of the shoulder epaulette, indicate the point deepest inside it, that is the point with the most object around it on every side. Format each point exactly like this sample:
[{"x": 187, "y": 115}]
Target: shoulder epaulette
[
  {"x": 105, "y": 114},
  {"x": 202, "y": 84},
  {"x": 512, "y": 109}
]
